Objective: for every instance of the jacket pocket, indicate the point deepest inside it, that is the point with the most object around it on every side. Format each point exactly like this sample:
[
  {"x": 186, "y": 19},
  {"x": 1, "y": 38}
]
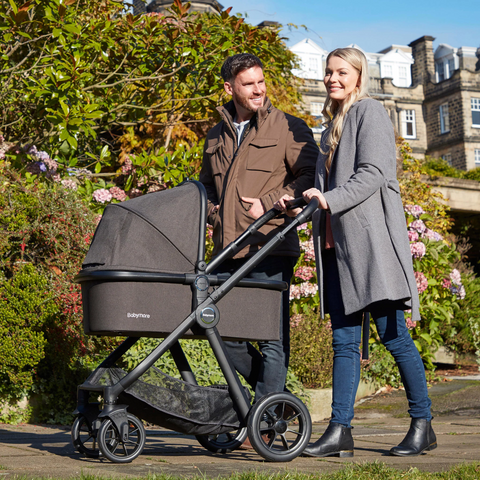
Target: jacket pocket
[
  {"x": 213, "y": 145},
  {"x": 261, "y": 156}
]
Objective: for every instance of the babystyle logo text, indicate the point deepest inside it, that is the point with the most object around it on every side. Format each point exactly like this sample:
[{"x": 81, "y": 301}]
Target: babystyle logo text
[{"x": 138, "y": 315}]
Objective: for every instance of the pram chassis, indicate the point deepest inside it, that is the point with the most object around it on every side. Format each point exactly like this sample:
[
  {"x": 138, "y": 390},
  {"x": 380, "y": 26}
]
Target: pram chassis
[{"x": 114, "y": 422}]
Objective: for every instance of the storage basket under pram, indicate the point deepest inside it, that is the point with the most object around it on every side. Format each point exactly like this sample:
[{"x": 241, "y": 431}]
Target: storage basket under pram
[{"x": 145, "y": 275}]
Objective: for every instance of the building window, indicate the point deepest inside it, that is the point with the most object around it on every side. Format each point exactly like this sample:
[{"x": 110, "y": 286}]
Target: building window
[
  {"x": 451, "y": 67},
  {"x": 476, "y": 112},
  {"x": 408, "y": 123},
  {"x": 448, "y": 158},
  {"x": 440, "y": 72},
  {"x": 477, "y": 157},
  {"x": 316, "y": 108},
  {"x": 387, "y": 71},
  {"x": 444, "y": 119}
]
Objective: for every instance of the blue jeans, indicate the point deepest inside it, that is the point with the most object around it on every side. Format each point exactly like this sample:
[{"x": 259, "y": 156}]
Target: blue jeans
[
  {"x": 390, "y": 321},
  {"x": 265, "y": 370}
]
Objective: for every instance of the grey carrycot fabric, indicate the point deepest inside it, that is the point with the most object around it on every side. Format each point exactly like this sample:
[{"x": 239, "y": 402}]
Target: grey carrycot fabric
[{"x": 156, "y": 232}]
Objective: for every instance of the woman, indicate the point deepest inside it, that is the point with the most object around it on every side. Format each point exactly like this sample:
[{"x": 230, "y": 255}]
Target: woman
[{"x": 362, "y": 250}]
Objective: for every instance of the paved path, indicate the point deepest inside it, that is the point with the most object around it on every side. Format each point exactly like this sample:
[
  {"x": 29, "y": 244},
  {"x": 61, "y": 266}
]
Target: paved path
[{"x": 41, "y": 451}]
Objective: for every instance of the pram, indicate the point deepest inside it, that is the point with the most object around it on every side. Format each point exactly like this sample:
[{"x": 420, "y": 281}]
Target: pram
[{"x": 144, "y": 271}]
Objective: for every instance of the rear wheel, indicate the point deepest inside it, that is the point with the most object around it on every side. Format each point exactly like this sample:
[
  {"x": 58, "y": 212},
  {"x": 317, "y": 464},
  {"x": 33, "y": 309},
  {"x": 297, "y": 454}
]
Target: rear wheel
[
  {"x": 84, "y": 437},
  {"x": 279, "y": 427},
  {"x": 117, "y": 449},
  {"x": 223, "y": 442}
]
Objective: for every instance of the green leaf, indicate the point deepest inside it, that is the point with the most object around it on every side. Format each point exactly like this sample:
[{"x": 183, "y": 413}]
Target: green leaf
[{"x": 98, "y": 167}]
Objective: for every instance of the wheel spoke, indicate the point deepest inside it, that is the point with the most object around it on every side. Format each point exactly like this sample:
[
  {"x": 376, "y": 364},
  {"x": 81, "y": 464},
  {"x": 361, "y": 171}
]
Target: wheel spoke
[
  {"x": 284, "y": 441},
  {"x": 295, "y": 432}
]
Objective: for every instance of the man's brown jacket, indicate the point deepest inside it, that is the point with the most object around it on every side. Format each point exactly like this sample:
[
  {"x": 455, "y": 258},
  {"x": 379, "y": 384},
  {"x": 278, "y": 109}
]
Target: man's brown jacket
[{"x": 277, "y": 156}]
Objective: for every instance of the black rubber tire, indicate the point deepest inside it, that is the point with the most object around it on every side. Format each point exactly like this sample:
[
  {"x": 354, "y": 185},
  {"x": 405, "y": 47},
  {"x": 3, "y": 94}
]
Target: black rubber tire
[
  {"x": 84, "y": 437},
  {"x": 224, "y": 442},
  {"x": 114, "y": 448},
  {"x": 279, "y": 427}
]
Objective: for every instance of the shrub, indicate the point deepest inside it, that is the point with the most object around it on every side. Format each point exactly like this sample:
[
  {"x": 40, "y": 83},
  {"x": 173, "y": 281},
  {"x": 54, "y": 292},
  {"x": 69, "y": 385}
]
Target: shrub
[
  {"x": 25, "y": 307},
  {"x": 311, "y": 358},
  {"x": 45, "y": 232}
]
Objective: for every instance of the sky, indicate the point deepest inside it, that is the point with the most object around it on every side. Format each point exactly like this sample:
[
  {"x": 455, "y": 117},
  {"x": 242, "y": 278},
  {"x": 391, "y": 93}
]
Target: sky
[{"x": 371, "y": 24}]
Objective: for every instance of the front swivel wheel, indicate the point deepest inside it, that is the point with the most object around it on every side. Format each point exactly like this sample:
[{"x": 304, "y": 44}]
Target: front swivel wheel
[
  {"x": 120, "y": 449},
  {"x": 279, "y": 427}
]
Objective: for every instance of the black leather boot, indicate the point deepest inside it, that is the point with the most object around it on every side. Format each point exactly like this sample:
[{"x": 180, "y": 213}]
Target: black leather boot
[
  {"x": 420, "y": 437},
  {"x": 337, "y": 441}
]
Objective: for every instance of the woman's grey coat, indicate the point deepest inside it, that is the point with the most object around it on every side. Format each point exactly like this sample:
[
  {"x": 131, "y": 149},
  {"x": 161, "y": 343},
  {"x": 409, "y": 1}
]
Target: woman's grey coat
[{"x": 367, "y": 217}]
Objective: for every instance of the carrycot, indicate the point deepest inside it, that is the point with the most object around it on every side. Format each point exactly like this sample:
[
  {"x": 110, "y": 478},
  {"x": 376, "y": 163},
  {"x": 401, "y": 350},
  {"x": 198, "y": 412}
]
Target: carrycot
[{"x": 139, "y": 274}]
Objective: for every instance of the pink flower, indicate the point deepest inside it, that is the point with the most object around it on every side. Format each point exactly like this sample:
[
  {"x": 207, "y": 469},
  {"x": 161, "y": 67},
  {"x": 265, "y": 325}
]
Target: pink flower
[
  {"x": 432, "y": 235},
  {"x": 309, "y": 250},
  {"x": 303, "y": 290},
  {"x": 415, "y": 210},
  {"x": 70, "y": 184},
  {"x": 135, "y": 192},
  {"x": 209, "y": 231},
  {"x": 127, "y": 167},
  {"x": 446, "y": 283},
  {"x": 102, "y": 195},
  {"x": 412, "y": 235},
  {"x": 419, "y": 226},
  {"x": 295, "y": 320},
  {"x": 418, "y": 249},
  {"x": 304, "y": 273},
  {"x": 455, "y": 277},
  {"x": 422, "y": 282},
  {"x": 410, "y": 324},
  {"x": 118, "y": 194}
]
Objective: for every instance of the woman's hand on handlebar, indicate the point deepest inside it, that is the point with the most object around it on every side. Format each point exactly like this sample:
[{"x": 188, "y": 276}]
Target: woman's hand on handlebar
[
  {"x": 281, "y": 205},
  {"x": 315, "y": 193}
]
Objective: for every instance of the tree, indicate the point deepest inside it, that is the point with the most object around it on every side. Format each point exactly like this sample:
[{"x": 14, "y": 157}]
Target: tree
[{"x": 90, "y": 84}]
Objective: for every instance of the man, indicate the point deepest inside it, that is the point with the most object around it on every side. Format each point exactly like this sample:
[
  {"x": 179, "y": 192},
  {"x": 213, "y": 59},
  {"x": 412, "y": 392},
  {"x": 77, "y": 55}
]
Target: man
[{"x": 251, "y": 158}]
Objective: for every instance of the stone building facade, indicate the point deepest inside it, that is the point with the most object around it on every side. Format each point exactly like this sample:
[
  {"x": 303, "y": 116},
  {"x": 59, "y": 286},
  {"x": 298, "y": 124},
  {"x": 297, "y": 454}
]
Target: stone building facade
[{"x": 433, "y": 99}]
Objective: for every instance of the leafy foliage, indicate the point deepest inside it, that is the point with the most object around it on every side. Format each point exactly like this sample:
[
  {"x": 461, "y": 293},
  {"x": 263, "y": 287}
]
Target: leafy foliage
[
  {"x": 45, "y": 233},
  {"x": 311, "y": 358},
  {"x": 121, "y": 101},
  {"x": 437, "y": 167}
]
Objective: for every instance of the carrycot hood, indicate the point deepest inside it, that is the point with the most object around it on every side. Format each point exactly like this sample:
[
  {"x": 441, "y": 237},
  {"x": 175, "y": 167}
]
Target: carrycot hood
[{"x": 158, "y": 232}]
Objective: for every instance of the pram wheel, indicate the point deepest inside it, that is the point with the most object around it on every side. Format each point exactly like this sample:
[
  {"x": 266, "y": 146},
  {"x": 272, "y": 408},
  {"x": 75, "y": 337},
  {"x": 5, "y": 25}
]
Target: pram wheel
[
  {"x": 279, "y": 427},
  {"x": 224, "y": 442},
  {"x": 114, "y": 447},
  {"x": 84, "y": 437}
]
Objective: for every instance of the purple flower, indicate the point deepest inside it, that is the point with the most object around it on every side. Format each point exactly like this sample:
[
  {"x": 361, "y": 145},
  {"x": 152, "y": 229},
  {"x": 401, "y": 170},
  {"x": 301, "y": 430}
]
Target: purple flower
[
  {"x": 101, "y": 195},
  {"x": 419, "y": 226},
  {"x": 415, "y": 210},
  {"x": 418, "y": 249}
]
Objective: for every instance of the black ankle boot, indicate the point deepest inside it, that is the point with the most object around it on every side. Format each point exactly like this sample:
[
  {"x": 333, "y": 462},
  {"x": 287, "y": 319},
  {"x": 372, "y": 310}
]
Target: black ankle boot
[
  {"x": 420, "y": 437},
  {"x": 337, "y": 441}
]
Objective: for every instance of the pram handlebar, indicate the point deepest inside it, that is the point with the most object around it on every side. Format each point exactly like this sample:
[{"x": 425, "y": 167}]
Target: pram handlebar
[
  {"x": 230, "y": 250},
  {"x": 295, "y": 203}
]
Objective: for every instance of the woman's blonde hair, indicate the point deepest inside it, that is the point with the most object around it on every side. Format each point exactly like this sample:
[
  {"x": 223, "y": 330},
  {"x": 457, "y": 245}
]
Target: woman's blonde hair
[{"x": 335, "y": 112}]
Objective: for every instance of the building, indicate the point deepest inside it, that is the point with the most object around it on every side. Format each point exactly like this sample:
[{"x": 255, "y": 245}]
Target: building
[
  {"x": 432, "y": 98},
  {"x": 160, "y": 6}
]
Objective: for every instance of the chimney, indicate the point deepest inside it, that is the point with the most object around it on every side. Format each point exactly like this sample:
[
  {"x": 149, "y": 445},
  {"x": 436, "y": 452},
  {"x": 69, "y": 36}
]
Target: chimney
[{"x": 423, "y": 68}]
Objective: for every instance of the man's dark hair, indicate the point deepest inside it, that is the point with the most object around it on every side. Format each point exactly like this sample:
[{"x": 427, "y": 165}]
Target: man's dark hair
[{"x": 236, "y": 63}]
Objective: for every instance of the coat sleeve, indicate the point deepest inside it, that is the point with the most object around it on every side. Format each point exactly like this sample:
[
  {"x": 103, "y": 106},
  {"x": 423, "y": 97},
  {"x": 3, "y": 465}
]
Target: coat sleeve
[
  {"x": 300, "y": 156},
  {"x": 372, "y": 147},
  {"x": 206, "y": 178}
]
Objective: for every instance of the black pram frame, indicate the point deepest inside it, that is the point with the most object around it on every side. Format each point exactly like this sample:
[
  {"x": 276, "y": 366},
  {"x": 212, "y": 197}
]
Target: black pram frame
[{"x": 122, "y": 279}]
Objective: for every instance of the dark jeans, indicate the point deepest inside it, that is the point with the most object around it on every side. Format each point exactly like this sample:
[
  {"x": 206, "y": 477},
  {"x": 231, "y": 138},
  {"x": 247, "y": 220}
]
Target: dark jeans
[
  {"x": 265, "y": 370},
  {"x": 390, "y": 321}
]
